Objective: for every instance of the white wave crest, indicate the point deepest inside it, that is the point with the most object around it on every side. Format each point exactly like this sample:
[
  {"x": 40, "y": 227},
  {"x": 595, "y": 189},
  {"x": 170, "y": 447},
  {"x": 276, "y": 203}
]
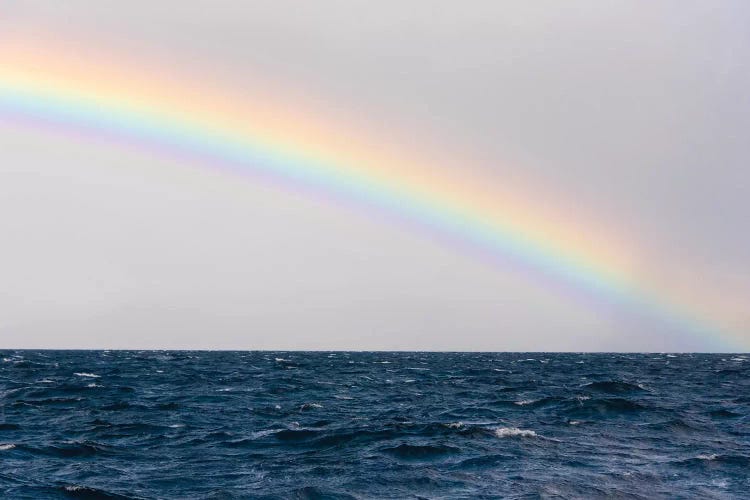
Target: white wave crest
[
  {"x": 89, "y": 375},
  {"x": 8, "y": 446},
  {"x": 264, "y": 433},
  {"x": 307, "y": 406},
  {"x": 502, "y": 432}
]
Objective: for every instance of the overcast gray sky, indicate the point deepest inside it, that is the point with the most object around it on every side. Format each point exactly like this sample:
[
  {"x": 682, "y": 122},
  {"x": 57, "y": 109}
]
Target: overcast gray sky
[{"x": 635, "y": 112}]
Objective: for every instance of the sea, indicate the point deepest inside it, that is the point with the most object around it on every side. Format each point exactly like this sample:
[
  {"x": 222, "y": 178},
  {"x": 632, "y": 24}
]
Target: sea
[{"x": 347, "y": 425}]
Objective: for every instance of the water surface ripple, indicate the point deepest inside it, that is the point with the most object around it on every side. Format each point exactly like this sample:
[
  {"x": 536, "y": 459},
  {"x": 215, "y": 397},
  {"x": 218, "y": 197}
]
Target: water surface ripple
[{"x": 179, "y": 424}]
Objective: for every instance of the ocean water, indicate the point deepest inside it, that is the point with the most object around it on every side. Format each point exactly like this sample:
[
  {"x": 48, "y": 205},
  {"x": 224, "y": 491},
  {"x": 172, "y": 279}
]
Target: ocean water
[{"x": 169, "y": 424}]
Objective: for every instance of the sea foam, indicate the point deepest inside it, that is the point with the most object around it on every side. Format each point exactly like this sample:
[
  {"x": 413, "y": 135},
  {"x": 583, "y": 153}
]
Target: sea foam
[{"x": 514, "y": 432}]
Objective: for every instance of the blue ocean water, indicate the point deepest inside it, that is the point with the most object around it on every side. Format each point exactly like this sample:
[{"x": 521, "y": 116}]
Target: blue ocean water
[{"x": 169, "y": 424}]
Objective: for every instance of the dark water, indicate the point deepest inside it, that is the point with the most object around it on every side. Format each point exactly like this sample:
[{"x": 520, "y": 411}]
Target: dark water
[{"x": 373, "y": 425}]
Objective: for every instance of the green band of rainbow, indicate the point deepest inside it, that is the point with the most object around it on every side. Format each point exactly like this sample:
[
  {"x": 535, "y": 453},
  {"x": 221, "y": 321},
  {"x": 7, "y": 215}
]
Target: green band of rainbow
[{"x": 210, "y": 142}]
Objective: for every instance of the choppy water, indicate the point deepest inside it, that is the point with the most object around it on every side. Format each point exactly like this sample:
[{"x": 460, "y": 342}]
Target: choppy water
[{"x": 373, "y": 425}]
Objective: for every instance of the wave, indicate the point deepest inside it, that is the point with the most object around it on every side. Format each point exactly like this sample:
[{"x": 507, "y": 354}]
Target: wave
[
  {"x": 89, "y": 493},
  {"x": 55, "y": 391},
  {"x": 48, "y": 401},
  {"x": 120, "y": 405},
  {"x": 732, "y": 374},
  {"x": 315, "y": 493},
  {"x": 484, "y": 461},
  {"x": 714, "y": 459},
  {"x": 724, "y": 413},
  {"x": 420, "y": 452},
  {"x": 70, "y": 450},
  {"x": 114, "y": 430},
  {"x": 310, "y": 406},
  {"x": 503, "y": 432},
  {"x": 613, "y": 387},
  {"x": 674, "y": 425},
  {"x": 168, "y": 406},
  {"x": 538, "y": 403},
  {"x": 603, "y": 407},
  {"x": 296, "y": 434}
]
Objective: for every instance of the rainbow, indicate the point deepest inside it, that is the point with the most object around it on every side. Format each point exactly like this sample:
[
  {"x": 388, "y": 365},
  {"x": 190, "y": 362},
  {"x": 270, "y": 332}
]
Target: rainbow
[{"x": 200, "y": 124}]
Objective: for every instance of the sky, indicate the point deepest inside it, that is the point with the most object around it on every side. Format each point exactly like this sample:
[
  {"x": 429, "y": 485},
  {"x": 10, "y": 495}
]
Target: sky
[{"x": 627, "y": 123}]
